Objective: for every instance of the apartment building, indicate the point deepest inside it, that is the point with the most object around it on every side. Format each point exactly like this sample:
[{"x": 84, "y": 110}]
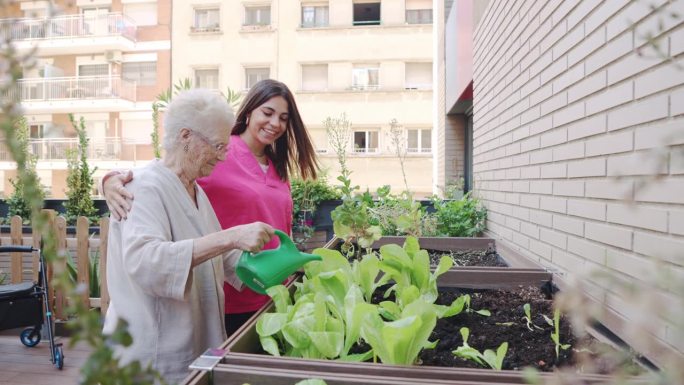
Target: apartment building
[
  {"x": 103, "y": 60},
  {"x": 370, "y": 59}
]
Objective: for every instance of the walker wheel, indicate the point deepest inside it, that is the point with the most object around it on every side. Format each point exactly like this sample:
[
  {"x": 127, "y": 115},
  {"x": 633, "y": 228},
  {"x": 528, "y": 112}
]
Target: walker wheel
[
  {"x": 30, "y": 337},
  {"x": 59, "y": 358}
]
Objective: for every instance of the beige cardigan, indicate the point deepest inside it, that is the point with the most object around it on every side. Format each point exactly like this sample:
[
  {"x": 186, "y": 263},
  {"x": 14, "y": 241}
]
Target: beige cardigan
[{"x": 174, "y": 313}]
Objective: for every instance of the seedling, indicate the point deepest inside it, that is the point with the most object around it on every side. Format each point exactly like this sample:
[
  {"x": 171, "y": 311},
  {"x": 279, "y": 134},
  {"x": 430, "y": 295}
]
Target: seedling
[
  {"x": 528, "y": 317},
  {"x": 555, "y": 335},
  {"x": 482, "y": 312},
  {"x": 488, "y": 358}
]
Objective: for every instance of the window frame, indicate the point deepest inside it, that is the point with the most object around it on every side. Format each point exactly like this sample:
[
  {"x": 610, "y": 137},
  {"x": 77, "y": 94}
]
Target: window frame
[
  {"x": 419, "y": 22},
  {"x": 419, "y": 139},
  {"x": 208, "y": 28},
  {"x": 249, "y": 7},
  {"x": 368, "y": 133},
  {"x": 208, "y": 68},
  {"x": 316, "y": 8},
  {"x": 256, "y": 68},
  {"x": 137, "y": 83},
  {"x": 365, "y": 68},
  {"x": 364, "y": 23}
]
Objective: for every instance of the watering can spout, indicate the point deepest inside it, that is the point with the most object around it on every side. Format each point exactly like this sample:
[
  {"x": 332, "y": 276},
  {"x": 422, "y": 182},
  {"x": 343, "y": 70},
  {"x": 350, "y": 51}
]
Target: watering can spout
[{"x": 271, "y": 267}]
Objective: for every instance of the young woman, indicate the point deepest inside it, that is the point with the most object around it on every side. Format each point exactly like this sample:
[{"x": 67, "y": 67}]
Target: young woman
[{"x": 268, "y": 145}]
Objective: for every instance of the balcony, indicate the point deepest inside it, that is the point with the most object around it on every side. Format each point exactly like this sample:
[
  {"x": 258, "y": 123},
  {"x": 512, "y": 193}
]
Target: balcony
[
  {"x": 99, "y": 149},
  {"x": 79, "y": 33},
  {"x": 64, "y": 94}
]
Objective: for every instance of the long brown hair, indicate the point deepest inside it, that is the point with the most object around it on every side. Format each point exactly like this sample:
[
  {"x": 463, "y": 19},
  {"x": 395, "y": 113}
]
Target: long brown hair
[{"x": 293, "y": 151}]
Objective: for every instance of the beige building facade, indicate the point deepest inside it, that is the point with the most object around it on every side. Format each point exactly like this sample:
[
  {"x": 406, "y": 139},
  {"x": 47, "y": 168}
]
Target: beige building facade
[
  {"x": 103, "y": 60},
  {"x": 371, "y": 60},
  {"x": 578, "y": 152}
]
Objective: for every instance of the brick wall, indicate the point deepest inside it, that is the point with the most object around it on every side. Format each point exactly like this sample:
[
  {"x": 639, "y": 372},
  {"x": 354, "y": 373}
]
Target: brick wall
[{"x": 579, "y": 138}]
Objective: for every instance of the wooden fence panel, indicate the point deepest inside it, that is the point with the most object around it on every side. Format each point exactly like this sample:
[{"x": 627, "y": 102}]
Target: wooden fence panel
[
  {"x": 16, "y": 239},
  {"x": 104, "y": 292},
  {"x": 83, "y": 263},
  {"x": 61, "y": 235}
]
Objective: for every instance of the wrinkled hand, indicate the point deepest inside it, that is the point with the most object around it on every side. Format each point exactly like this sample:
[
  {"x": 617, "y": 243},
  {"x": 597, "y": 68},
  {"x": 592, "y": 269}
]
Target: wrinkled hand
[
  {"x": 252, "y": 237},
  {"x": 119, "y": 200}
]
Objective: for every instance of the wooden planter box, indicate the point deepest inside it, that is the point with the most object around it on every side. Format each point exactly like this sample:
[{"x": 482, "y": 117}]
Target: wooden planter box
[{"x": 514, "y": 260}]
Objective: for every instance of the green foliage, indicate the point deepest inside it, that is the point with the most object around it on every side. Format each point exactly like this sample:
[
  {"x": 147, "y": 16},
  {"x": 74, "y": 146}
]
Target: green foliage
[
  {"x": 156, "y": 144},
  {"x": 308, "y": 194},
  {"x": 555, "y": 335},
  {"x": 488, "y": 358},
  {"x": 400, "y": 214},
  {"x": 351, "y": 220},
  {"x": 3, "y": 277},
  {"x": 101, "y": 367},
  {"x": 17, "y": 203},
  {"x": 460, "y": 218},
  {"x": 79, "y": 178},
  {"x": 528, "y": 317},
  {"x": 93, "y": 272}
]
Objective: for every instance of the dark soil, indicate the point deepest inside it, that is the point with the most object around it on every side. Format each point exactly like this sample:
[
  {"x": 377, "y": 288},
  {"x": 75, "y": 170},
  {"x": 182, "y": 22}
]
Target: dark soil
[
  {"x": 526, "y": 348},
  {"x": 487, "y": 258}
]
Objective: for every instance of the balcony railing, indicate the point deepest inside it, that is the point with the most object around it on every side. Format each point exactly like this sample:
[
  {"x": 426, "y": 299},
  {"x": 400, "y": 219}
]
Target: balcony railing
[
  {"x": 69, "y": 26},
  {"x": 104, "y": 149},
  {"x": 70, "y": 88}
]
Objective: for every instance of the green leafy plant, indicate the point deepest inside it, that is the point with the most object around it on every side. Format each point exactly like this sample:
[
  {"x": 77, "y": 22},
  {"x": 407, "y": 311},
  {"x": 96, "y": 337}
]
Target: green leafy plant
[
  {"x": 555, "y": 335},
  {"x": 489, "y": 358},
  {"x": 306, "y": 196},
  {"x": 400, "y": 342},
  {"x": 93, "y": 273},
  {"x": 482, "y": 312},
  {"x": 80, "y": 178},
  {"x": 400, "y": 214},
  {"x": 528, "y": 317},
  {"x": 101, "y": 366},
  {"x": 3, "y": 277},
  {"x": 351, "y": 220},
  {"x": 17, "y": 204},
  {"x": 460, "y": 218}
]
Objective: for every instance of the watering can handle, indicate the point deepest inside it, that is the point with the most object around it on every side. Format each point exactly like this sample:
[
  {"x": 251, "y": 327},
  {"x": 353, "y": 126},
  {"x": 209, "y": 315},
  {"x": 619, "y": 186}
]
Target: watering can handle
[{"x": 286, "y": 243}]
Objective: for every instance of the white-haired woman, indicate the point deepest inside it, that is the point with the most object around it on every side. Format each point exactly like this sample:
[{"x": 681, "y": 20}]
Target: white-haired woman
[{"x": 167, "y": 262}]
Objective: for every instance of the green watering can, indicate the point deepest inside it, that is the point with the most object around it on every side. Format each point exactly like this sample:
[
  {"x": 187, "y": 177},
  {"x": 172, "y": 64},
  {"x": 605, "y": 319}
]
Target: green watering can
[{"x": 271, "y": 267}]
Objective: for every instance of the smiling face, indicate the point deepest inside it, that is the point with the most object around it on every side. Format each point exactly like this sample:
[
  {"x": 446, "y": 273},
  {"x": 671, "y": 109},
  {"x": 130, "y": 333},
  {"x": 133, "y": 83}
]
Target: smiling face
[
  {"x": 211, "y": 149},
  {"x": 268, "y": 122}
]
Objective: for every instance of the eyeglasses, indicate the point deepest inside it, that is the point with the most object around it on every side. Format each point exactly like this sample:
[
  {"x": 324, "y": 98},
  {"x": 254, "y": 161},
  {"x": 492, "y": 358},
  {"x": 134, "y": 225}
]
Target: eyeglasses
[{"x": 218, "y": 147}]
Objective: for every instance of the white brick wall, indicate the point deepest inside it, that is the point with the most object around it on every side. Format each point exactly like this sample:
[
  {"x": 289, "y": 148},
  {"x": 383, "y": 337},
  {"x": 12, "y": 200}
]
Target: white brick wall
[{"x": 580, "y": 127}]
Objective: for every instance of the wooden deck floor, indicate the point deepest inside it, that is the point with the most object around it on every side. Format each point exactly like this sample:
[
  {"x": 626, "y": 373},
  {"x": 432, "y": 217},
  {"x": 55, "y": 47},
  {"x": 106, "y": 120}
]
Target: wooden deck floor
[{"x": 22, "y": 366}]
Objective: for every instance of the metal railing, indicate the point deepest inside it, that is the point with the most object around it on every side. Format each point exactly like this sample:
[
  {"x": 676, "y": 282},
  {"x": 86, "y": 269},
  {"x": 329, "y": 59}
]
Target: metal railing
[
  {"x": 57, "y": 149},
  {"x": 70, "y": 88},
  {"x": 69, "y": 26}
]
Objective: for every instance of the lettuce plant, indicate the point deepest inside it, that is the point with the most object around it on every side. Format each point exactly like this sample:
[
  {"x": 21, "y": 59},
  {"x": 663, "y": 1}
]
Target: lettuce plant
[
  {"x": 399, "y": 342},
  {"x": 488, "y": 358}
]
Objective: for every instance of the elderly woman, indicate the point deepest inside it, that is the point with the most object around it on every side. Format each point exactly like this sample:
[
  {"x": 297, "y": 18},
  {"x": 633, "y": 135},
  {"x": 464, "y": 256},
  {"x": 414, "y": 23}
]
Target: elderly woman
[{"x": 166, "y": 264}]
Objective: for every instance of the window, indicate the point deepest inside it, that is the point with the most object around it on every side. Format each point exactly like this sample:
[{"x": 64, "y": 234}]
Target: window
[
  {"x": 419, "y": 11},
  {"x": 365, "y": 141},
  {"x": 93, "y": 70},
  {"x": 95, "y": 20},
  {"x": 419, "y": 140},
  {"x": 365, "y": 77},
  {"x": 207, "y": 78},
  {"x": 142, "y": 73},
  {"x": 258, "y": 15},
  {"x": 418, "y": 76},
  {"x": 314, "y": 16},
  {"x": 366, "y": 13},
  {"x": 142, "y": 13},
  {"x": 36, "y": 131},
  {"x": 255, "y": 75},
  {"x": 314, "y": 77},
  {"x": 206, "y": 19}
]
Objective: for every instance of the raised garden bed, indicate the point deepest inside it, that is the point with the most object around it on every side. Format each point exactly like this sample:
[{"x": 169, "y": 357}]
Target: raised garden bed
[
  {"x": 244, "y": 350},
  {"x": 469, "y": 250}
]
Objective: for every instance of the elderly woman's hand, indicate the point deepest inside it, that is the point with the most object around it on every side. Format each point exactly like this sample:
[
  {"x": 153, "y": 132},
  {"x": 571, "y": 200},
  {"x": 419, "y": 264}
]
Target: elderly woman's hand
[
  {"x": 252, "y": 237},
  {"x": 117, "y": 197}
]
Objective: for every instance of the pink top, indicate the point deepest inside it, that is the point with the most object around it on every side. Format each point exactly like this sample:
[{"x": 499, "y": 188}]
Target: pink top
[{"x": 240, "y": 193}]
